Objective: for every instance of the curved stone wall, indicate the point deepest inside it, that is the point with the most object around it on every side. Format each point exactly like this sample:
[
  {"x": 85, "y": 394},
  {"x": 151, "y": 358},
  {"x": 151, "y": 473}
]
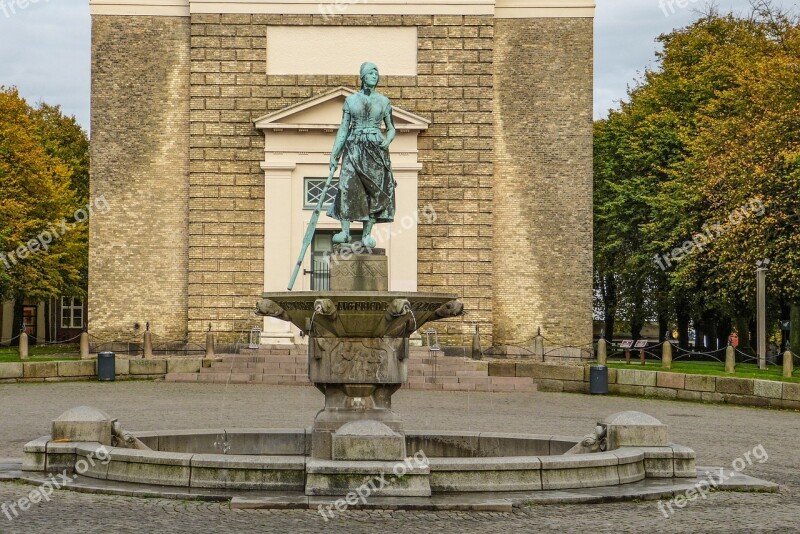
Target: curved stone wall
[{"x": 278, "y": 460}]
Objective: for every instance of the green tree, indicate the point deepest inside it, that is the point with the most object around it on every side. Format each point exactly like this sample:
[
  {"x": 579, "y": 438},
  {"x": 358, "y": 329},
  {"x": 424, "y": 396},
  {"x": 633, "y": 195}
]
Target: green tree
[
  {"x": 712, "y": 130},
  {"x": 39, "y": 258}
]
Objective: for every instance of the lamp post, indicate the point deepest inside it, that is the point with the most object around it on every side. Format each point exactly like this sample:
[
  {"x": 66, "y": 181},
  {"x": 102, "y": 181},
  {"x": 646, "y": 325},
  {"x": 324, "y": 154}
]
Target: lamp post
[{"x": 761, "y": 311}]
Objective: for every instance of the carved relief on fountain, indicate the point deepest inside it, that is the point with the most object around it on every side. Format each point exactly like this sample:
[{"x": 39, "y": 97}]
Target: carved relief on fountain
[{"x": 358, "y": 360}]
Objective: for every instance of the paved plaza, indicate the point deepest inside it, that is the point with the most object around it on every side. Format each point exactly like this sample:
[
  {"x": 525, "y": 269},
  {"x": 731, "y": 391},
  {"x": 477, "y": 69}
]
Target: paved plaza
[{"x": 719, "y": 435}]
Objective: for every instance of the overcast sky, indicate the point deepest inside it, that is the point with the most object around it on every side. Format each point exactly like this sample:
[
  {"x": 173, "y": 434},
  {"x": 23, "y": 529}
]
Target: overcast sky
[{"x": 45, "y": 47}]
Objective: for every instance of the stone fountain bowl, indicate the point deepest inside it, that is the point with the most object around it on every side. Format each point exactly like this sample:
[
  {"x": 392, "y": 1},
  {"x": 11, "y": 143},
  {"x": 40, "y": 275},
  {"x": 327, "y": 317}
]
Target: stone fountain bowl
[
  {"x": 279, "y": 460},
  {"x": 359, "y": 314}
]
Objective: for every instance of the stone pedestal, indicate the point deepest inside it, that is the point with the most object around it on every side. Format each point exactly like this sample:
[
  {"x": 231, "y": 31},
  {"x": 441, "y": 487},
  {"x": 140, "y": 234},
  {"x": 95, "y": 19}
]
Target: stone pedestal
[
  {"x": 358, "y": 377},
  {"x": 347, "y": 403},
  {"x": 359, "y": 269},
  {"x": 367, "y": 440}
]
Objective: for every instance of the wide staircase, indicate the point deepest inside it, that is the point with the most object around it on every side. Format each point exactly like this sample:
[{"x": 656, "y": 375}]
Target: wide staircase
[{"x": 288, "y": 365}]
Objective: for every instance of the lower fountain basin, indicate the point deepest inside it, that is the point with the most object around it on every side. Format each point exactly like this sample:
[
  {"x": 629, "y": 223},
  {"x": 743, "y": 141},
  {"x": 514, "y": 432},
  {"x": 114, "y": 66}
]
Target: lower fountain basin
[{"x": 278, "y": 460}]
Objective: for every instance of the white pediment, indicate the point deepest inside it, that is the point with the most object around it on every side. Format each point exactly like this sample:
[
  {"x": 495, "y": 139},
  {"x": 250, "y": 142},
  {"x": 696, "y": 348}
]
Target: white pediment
[{"x": 324, "y": 112}]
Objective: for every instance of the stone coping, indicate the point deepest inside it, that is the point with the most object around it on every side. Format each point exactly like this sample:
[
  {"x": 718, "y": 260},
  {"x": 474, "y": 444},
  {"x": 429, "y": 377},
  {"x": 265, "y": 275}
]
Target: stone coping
[
  {"x": 447, "y": 471},
  {"x": 75, "y": 370},
  {"x": 546, "y": 376},
  {"x": 648, "y": 489},
  {"x": 657, "y": 384}
]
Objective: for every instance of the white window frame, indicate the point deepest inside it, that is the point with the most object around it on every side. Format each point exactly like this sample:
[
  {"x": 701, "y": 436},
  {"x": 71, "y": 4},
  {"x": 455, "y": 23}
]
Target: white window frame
[
  {"x": 309, "y": 203},
  {"x": 71, "y": 304}
]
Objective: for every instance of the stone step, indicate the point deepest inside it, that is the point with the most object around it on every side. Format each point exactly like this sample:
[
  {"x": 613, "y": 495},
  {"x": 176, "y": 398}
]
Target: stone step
[
  {"x": 499, "y": 388},
  {"x": 238, "y": 358},
  {"x": 267, "y": 350},
  {"x": 265, "y": 367},
  {"x": 488, "y": 385},
  {"x": 181, "y": 377},
  {"x": 471, "y": 373}
]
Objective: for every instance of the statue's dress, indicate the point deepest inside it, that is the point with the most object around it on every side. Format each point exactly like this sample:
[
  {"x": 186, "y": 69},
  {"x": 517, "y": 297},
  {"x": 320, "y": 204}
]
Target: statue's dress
[{"x": 366, "y": 183}]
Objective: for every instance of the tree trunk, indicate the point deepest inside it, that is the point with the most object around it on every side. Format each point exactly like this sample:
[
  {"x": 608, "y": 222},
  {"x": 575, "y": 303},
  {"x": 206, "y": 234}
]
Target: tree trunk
[
  {"x": 743, "y": 329},
  {"x": 636, "y": 329},
  {"x": 47, "y": 329},
  {"x": 699, "y": 333},
  {"x": 683, "y": 317},
  {"x": 724, "y": 329},
  {"x": 663, "y": 327},
  {"x": 18, "y": 321},
  {"x": 794, "y": 335},
  {"x": 712, "y": 333},
  {"x": 610, "y": 302},
  {"x": 637, "y": 315}
]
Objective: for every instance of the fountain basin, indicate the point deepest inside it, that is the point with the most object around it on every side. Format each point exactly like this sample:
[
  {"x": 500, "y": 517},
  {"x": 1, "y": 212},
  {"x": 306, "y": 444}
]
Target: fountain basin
[
  {"x": 279, "y": 460},
  {"x": 359, "y": 314}
]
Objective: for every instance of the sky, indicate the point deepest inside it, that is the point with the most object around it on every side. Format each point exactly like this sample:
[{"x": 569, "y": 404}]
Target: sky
[{"x": 45, "y": 47}]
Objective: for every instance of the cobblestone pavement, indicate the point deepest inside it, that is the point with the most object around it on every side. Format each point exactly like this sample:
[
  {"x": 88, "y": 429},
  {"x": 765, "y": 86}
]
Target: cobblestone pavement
[{"x": 719, "y": 434}]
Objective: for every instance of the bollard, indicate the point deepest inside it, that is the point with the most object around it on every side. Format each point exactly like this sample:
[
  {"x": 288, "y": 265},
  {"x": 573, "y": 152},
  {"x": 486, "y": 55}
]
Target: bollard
[
  {"x": 666, "y": 355},
  {"x": 209, "y": 344},
  {"x": 84, "y": 345},
  {"x": 23, "y": 346},
  {"x": 730, "y": 359},
  {"x": 602, "y": 352},
  {"x": 538, "y": 347},
  {"x": 148, "y": 344},
  {"x": 477, "y": 351},
  {"x": 788, "y": 364}
]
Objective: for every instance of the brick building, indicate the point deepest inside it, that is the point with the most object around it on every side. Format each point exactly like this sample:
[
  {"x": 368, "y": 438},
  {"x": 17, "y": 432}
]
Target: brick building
[{"x": 212, "y": 124}]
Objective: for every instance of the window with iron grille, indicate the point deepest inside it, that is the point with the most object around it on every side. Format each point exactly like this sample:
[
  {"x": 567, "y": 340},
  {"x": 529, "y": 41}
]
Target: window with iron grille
[{"x": 313, "y": 190}]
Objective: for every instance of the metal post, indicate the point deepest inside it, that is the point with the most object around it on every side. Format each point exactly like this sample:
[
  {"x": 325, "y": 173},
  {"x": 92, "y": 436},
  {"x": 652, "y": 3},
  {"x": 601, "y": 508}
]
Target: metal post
[{"x": 761, "y": 317}]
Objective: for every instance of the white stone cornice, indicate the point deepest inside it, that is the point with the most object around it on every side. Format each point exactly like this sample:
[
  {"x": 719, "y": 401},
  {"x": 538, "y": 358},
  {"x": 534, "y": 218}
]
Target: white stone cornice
[
  {"x": 163, "y": 8},
  {"x": 347, "y": 7},
  {"x": 500, "y": 8},
  {"x": 531, "y": 9}
]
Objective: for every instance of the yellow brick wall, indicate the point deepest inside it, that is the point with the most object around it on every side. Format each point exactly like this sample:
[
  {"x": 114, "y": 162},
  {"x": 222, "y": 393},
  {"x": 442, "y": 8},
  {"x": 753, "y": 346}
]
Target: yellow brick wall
[
  {"x": 140, "y": 162},
  {"x": 506, "y": 166},
  {"x": 542, "y": 243},
  {"x": 230, "y": 88}
]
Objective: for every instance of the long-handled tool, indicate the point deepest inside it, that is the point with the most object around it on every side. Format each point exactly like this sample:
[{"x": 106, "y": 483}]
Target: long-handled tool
[{"x": 312, "y": 226}]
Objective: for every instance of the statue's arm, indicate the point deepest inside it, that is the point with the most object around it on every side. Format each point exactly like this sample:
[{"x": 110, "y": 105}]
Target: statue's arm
[
  {"x": 341, "y": 136},
  {"x": 390, "y": 130}
]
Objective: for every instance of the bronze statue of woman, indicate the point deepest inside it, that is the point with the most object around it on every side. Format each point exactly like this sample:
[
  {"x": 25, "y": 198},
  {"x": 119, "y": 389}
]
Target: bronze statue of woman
[{"x": 366, "y": 182}]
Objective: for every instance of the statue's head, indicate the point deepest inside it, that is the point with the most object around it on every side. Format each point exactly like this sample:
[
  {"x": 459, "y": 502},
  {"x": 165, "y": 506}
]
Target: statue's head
[{"x": 369, "y": 74}]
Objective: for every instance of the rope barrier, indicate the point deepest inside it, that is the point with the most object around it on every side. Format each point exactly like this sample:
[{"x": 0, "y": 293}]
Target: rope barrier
[
  {"x": 57, "y": 342},
  {"x": 10, "y": 339},
  {"x": 699, "y": 353}
]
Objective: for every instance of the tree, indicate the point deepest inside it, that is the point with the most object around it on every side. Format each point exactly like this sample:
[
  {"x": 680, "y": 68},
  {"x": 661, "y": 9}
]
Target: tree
[
  {"x": 41, "y": 258},
  {"x": 710, "y": 136}
]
